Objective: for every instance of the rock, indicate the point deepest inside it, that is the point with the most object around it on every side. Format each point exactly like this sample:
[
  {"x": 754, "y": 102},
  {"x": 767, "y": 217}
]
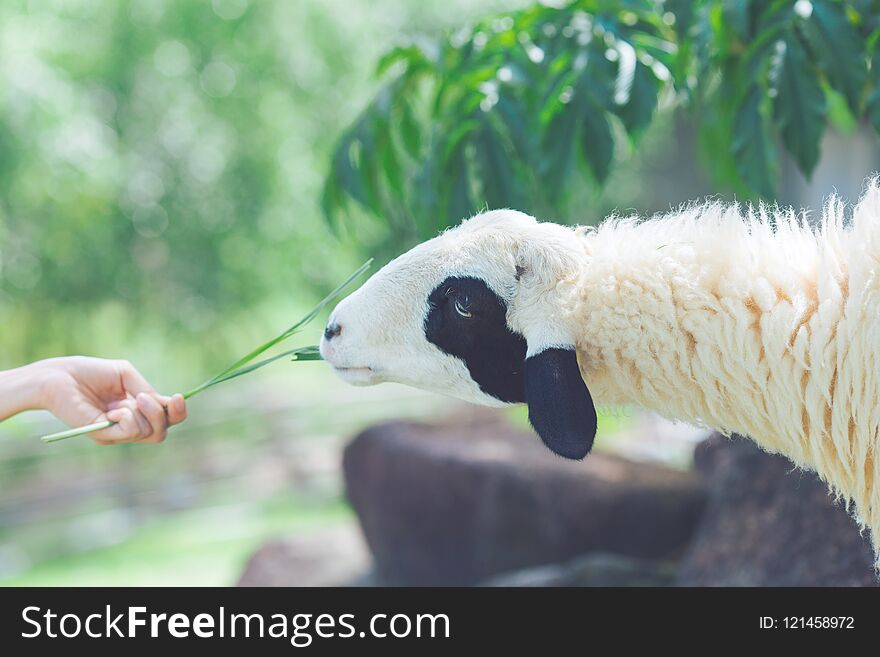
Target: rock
[
  {"x": 767, "y": 524},
  {"x": 327, "y": 557},
  {"x": 599, "y": 569},
  {"x": 458, "y": 503}
]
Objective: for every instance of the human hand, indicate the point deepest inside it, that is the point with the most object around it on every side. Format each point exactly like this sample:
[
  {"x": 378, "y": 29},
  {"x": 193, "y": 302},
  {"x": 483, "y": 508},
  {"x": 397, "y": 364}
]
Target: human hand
[{"x": 81, "y": 390}]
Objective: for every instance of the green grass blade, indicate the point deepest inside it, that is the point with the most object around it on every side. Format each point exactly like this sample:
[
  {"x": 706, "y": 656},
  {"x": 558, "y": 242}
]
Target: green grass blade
[
  {"x": 241, "y": 367},
  {"x": 70, "y": 433},
  {"x": 292, "y": 329},
  {"x": 307, "y": 353},
  {"x": 300, "y": 353}
]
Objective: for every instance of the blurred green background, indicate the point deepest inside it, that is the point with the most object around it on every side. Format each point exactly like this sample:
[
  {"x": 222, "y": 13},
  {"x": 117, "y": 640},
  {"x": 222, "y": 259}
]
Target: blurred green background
[
  {"x": 161, "y": 163},
  {"x": 161, "y": 173}
]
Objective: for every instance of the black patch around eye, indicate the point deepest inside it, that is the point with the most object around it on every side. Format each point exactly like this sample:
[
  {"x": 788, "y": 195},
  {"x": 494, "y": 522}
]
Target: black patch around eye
[{"x": 494, "y": 355}]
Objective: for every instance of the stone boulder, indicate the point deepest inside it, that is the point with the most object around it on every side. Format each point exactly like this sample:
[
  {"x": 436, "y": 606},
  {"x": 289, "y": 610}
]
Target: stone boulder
[
  {"x": 597, "y": 569},
  {"x": 767, "y": 524},
  {"x": 455, "y": 504},
  {"x": 331, "y": 556}
]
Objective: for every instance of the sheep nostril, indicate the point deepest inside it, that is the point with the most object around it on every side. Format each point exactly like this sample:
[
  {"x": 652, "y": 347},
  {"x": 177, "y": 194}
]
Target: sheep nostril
[{"x": 332, "y": 331}]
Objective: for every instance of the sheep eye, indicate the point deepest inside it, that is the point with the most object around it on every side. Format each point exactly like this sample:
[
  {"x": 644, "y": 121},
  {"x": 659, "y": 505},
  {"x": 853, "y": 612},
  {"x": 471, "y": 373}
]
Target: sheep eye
[{"x": 461, "y": 310}]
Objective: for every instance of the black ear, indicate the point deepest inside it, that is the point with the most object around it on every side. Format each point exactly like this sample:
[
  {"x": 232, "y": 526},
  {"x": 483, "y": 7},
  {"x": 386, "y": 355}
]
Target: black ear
[{"x": 560, "y": 406}]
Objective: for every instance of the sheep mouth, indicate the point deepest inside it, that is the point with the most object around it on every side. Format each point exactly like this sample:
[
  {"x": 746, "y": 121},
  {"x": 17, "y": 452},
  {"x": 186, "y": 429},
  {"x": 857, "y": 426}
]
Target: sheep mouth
[{"x": 355, "y": 375}]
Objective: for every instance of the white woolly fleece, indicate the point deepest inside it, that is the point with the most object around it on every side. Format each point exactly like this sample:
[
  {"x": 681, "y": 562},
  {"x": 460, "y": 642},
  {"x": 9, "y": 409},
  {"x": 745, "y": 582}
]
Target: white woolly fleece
[
  {"x": 751, "y": 323},
  {"x": 746, "y": 321}
]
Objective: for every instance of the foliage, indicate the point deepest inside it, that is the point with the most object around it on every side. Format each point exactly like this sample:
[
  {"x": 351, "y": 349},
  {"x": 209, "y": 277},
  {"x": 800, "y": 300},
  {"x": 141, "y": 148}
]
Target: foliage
[
  {"x": 506, "y": 113},
  {"x": 160, "y": 167}
]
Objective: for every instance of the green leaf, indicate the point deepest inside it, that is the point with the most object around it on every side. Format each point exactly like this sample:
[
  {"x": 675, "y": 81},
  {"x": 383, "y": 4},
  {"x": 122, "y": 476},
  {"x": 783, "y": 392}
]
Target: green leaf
[
  {"x": 640, "y": 100},
  {"x": 357, "y": 164},
  {"x": 308, "y": 317},
  {"x": 799, "y": 107},
  {"x": 736, "y": 15},
  {"x": 299, "y": 354},
  {"x": 839, "y": 115},
  {"x": 684, "y": 14},
  {"x": 754, "y": 61},
  {"x": 592, "y": 97},
  {"x": 392, "y": 168},
  {"x": 411, "y": 56},
  {"x": 460, "y": 204},
  {"x": 306, "y": 353},
  {"x": 558, "y": 150},
  {"x": 461, "y": 132},
  {"x": 702, "y": 45},
  {"x": 515, "y": 119},
  {"x": 343, "y": 171},
  {"x": 872, "y": 105},
  {"x": 838, "y": 50},
  {"x": 410, "y": 131},
  {"x": 752, "y": 144},
  {"x": 496, "y": 170},
  {"x": 723, "y": 55},
  {"x": 597, "y": 142},
  {"x": 427, "y": 188}
]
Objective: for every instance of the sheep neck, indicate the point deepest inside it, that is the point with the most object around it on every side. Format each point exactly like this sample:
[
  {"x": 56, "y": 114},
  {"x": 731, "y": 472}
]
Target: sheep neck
[{"x": 741, "y": 324}]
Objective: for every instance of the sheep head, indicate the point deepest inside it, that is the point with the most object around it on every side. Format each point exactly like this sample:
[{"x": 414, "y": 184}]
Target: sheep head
[{"x": 477, "y": 313}]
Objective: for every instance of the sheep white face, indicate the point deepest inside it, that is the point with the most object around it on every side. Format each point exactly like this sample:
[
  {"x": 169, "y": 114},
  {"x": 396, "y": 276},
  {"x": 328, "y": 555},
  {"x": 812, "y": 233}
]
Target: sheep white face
[
  {"x": 472, "y": 314},
  {"x": 435, "y": 318}
]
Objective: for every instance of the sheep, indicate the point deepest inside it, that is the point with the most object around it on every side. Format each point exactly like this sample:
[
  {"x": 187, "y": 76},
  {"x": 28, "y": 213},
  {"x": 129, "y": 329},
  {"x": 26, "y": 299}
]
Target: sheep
[{"x": 747, "y": 321}]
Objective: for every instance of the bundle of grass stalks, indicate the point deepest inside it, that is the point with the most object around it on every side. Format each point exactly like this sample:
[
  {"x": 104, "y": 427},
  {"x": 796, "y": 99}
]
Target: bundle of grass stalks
[{"x": 245, "y": 364}]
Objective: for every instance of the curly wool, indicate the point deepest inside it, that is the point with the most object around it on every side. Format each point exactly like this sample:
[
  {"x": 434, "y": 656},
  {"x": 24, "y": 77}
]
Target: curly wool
[{"x": 750, "y": 322}]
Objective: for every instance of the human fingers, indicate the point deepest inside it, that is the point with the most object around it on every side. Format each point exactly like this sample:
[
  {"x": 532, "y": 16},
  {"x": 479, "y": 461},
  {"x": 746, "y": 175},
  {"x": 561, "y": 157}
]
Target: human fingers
[
  {"x": 129, "y": 425},
  {"x": 176, "y": 409},
  {"x": 155, "y": 415}
]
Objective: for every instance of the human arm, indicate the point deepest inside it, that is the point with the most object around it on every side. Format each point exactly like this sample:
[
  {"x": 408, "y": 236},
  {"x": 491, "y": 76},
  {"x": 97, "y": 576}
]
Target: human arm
[{"x": 82, "y": 390}]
